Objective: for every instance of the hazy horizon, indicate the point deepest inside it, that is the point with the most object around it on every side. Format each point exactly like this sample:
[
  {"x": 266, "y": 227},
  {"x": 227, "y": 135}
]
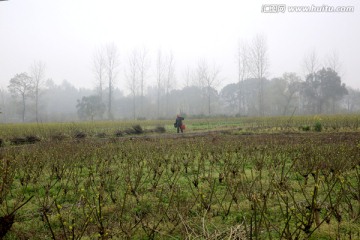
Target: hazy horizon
[{"x": 64, "y": 35}]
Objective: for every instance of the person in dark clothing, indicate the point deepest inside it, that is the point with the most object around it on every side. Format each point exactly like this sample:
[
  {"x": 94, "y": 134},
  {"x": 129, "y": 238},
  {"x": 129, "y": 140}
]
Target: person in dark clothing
[{"x": 178, "y": 123}]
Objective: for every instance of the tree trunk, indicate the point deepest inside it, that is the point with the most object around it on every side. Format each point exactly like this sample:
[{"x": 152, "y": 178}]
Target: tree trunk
[
  {"x": 36, "y": 104},
  {"x": 110, "y": 98},
  {"x": 24, "y": 108},
  {"x": 209, "y": 101}
]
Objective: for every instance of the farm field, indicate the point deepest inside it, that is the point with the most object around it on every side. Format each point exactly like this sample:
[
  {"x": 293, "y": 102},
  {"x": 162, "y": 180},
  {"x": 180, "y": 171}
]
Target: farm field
[{"x": 224, "y": 178}]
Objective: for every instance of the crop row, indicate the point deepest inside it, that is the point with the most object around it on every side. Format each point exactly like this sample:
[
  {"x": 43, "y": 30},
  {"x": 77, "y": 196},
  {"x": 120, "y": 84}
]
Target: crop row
[{"x": 290, "y": 186}]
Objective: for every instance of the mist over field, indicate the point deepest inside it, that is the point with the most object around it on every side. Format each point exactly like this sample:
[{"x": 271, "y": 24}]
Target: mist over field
[
  {"x": 104, "y": 60},
  {"x": 164, "y": 119}
]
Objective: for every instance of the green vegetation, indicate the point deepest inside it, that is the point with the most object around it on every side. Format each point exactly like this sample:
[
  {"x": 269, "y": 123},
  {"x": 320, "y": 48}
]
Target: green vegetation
[{"x": 244, "y": 178}]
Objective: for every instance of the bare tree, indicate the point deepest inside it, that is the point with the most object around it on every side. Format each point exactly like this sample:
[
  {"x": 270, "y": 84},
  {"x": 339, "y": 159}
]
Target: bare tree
[
  {"x": 311, "y": 63},
  {"x": 38, "y": 78},
  {"x": 143, "y": 66},
  {"x": 169, "y": 78},
  {"x": 160, "y": 71},
  {"x": 3, "y": 110},
  {"x": 293, "y": 86},
  {"x": 188, "y": 76},
  {"x": 242, "y": 62},
  {"x": 352, "y": 100},
  {"x": 208, "y": 80},
  {"x": 132, "y": 78},
  {"x": 21, "y": 85},
  {"x": 333, "y": 61},
  {"x": 259, "y": 62},
  {"x": 112, "y": 64},
  {"x": 99, "y": 70}
]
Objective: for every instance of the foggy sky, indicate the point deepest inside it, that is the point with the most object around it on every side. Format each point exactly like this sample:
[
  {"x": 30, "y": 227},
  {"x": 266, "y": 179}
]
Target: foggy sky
[{"x": 64, "y": 34}]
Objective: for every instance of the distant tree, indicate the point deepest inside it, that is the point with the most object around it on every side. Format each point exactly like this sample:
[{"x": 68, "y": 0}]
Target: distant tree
[
  {"x": 91, "y": 107},
  {"x": 143, "y": 64},
  {"x": 242, "y": 62},
  {"x": 169, "y": 82},
  {"x": 3, "y": 104},
  {"x": 293, "y": 88},
  {"x": 160, "y": 76},
  {"x": 99, "y": 70},
  {"x": 190, "y": 100},
  {"x": 284, "y": 91},
  {"x": 112, "y": 64},
  {"x": 250, "y": 97},
  {"x": 259, "y": 64},
  {"x": 132, "y": 77},
  {"x": 275, "y": 94},
  {"x": 208, "y": 80},
  {"x": 188, "y": 76},
  {"x": 332, "y": 60},
  {"x": 38, "y": 78},
  {"x": 323, "y": 87},
  {"x": 311, "y": 63},
  {"x": 352, "y": 100},
  {"x": 230, "y": 95},
  {"x": 23, "y": 86},
  {"x": 61, "y": 100},
  {"x": 277, "y": 99}
]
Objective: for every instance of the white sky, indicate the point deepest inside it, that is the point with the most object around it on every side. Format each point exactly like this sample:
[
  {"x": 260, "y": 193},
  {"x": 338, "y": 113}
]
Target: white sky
[{"x": 64, "y": 34}]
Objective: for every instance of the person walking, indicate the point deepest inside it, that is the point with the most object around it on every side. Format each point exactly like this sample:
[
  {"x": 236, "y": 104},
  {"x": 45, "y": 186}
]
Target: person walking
[{"x": 178, "y": 123}]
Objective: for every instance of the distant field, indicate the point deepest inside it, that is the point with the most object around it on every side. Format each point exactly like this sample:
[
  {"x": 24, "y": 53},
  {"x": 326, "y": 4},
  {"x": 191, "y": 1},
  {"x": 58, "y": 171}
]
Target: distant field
[
  {"x": 228, "y": 178},
  {"x": 258, "y": 125}
]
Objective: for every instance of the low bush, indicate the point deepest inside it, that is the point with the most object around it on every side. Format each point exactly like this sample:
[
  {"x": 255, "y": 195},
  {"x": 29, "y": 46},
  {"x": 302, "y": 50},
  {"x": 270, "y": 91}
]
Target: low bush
[{"x": 318, "y": 127}]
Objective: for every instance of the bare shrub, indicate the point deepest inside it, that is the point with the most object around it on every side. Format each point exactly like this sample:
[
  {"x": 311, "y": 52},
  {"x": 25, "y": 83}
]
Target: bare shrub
[
  {"x": 17, "y": 141},
  {"x": 58, "y": 137},
  {"x": 138, "y": 129},
  {"x": 101, "y": 135},
  {"x": 160, "y": 129},
  {"x": 80, "y": 135},
  {"x": 119, "y": 133},
  {"x": 32, "y": 139}
]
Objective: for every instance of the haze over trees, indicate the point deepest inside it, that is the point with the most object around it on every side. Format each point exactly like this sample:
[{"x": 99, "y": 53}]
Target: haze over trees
[
  {"x": 137, "y": 89},
  {"x": 38, "y": 77},
  {"x": 90, "y": 108},
  {"x": 259, "y": 64},
  {"x": 22, "y": 86}
]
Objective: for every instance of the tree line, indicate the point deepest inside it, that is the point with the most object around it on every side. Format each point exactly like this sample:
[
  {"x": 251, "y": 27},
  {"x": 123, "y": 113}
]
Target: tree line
[{"x": 31, "y": 97}]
